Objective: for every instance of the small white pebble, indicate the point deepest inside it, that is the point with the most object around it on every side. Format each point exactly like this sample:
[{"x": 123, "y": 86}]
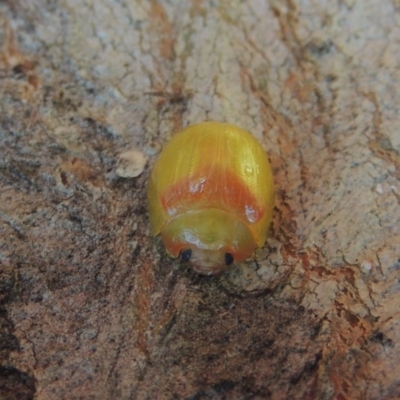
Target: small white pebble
[
  {"x": 379, "y": 188},
  {"x": 130, "y": 164},
  {"x": 366, "y": 267}
]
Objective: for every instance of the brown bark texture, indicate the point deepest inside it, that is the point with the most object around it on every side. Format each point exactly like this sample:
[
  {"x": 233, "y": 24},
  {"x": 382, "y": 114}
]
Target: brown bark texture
[{"x": 91, "y": 306}]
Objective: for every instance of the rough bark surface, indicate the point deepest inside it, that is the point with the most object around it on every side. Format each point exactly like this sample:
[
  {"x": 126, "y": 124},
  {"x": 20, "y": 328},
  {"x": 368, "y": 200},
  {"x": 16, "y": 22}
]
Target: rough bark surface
[{"x": 91, "y": 307}]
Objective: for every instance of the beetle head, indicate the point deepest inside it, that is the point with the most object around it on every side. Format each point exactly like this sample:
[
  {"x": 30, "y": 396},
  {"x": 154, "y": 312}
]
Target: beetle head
[
  {"x": 207, "y": 262},
  {"x": 210, "y": 240}
]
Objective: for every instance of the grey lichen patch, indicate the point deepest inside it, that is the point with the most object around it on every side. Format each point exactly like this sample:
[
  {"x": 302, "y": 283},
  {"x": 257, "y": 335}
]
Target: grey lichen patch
[
  {"x": 264, "y": 272},
  {"x": 152, "y": 148},
  {"x": 322, "y": 296},
  {"x": 69, "y": 137}
]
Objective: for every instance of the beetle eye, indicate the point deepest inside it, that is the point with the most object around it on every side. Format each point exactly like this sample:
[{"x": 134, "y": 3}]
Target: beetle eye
[
  {"x": 186, "y": 254},
  {"x": 228, "y": 258}
]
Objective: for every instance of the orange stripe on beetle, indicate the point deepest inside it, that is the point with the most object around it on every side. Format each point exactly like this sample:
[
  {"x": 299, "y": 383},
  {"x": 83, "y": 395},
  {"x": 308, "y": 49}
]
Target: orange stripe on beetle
[
  {"x": 229, "y": 194},
  {"x": 211, "y": 195}
]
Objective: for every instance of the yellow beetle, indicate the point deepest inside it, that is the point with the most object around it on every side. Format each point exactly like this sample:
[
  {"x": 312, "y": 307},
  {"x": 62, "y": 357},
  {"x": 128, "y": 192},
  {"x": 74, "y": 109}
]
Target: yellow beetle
[{"x": 211, "y": 196}]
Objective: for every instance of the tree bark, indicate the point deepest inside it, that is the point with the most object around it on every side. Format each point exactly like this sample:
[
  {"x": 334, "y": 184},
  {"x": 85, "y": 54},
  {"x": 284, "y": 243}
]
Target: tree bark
[{"x": 92, "y": 307}]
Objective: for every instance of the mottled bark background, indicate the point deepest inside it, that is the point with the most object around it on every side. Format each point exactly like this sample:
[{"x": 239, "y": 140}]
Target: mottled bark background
[{"x": 91, "y": 306}]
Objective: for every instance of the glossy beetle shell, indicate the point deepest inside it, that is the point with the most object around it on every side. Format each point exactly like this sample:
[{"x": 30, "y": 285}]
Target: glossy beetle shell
[{"x": 211, "y": 191}]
